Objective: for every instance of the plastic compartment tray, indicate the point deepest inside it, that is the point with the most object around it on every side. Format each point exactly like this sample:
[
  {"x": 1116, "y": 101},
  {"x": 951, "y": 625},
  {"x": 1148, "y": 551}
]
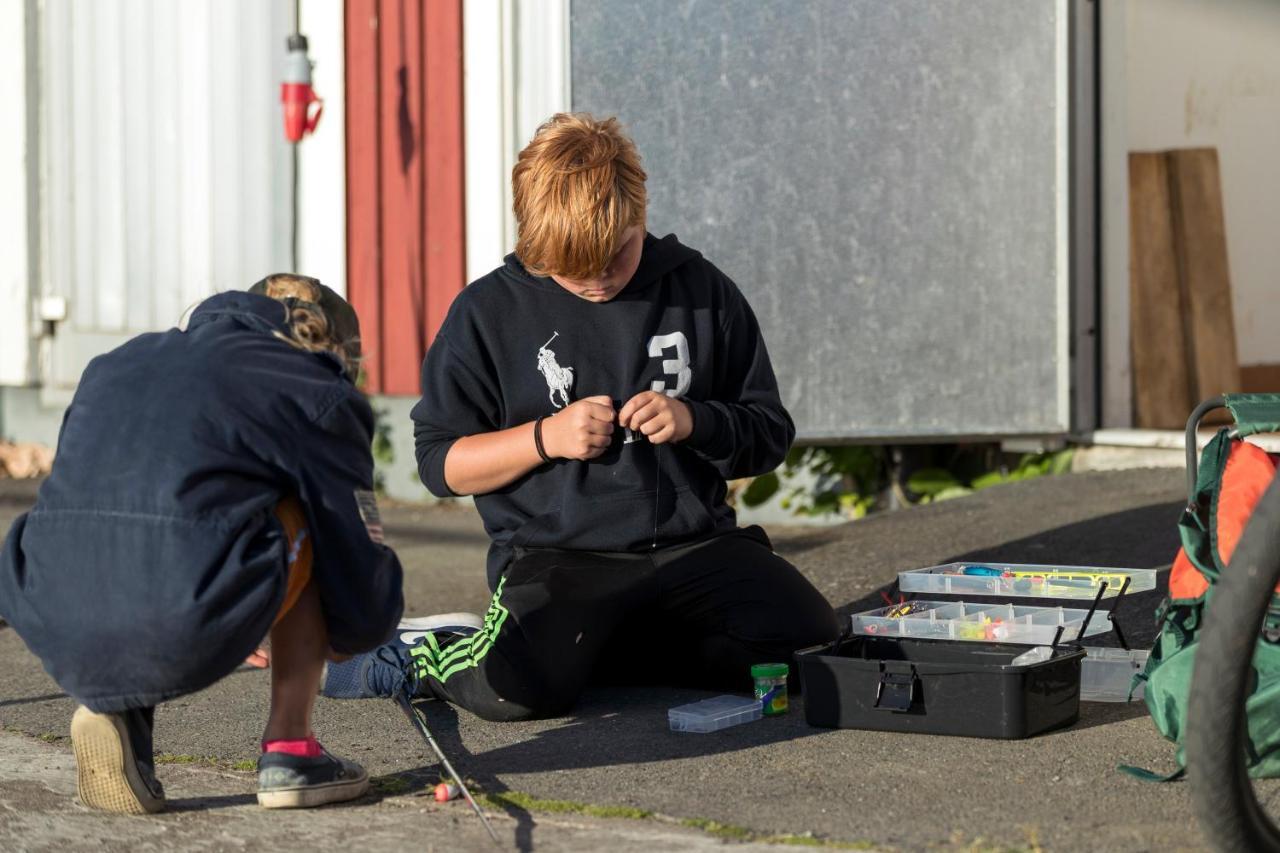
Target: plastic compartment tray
[
  {"x": 991, "y": 623},
  {"x": 713, "y": 714},
  {"x": 1025, "y": 580},
  {"x": 1106, "y": 674}
]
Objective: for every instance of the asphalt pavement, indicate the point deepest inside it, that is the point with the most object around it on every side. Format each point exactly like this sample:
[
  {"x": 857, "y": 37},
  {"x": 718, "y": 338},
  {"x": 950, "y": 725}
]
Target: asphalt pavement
[{"x": 612, "y": 775}]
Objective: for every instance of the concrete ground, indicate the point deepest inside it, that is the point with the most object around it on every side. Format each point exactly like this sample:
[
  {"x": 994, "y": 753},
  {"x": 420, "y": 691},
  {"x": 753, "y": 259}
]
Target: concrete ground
[{"x": 612, "y": 775}]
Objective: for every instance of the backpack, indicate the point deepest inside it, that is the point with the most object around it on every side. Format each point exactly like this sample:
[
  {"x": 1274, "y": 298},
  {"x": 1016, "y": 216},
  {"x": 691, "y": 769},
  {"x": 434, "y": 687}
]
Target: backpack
[{"x": 1232, "y": 477}]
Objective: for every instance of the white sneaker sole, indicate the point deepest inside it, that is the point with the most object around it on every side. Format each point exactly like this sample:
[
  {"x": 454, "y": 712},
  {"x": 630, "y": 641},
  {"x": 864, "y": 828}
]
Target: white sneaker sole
[
  {"x": 415, "y": 628},
  {"x": 310, "y": 796},
  {"x": 107, "y": 776},
  {"x": 441, "y": 620}
]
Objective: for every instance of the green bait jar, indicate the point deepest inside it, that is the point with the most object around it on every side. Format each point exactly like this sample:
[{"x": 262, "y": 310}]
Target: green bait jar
[{"x": 771, "y": 687}]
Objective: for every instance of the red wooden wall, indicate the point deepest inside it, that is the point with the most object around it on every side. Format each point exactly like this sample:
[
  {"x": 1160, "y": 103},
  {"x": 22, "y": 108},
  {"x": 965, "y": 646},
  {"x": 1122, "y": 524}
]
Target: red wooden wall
[{"x": 405, "y": 246}]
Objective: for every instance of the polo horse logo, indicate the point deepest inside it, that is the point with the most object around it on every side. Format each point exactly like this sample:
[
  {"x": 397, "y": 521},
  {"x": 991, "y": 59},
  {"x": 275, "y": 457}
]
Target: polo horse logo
[{"x": 559, "y": 379}]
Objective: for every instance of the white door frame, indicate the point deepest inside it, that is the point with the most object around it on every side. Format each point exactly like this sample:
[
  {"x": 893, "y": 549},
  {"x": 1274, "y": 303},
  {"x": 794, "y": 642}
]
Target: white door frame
[
  {"x": 322, "y": 156},
  {"x": 1113, "y": 228},
  {"x": 515, "y": 76}
]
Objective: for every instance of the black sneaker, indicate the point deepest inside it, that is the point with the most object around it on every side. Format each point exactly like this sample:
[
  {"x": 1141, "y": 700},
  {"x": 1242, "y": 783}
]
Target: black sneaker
[
  {"x": 115, "y": 771},
  {"x": 293, "y": 782}
]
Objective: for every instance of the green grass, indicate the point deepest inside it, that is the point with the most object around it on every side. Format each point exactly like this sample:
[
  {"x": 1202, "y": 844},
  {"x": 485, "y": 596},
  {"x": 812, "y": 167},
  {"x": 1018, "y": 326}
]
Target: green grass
[
  {"x": 516, "y": 799},
  {"x": 506, "y": 800},
  {"x": 390, "y": 785},
  {"x": 243, "y": 765},
  {"x": 981, "y": 845},
  {"x": 730, "y": 832}
]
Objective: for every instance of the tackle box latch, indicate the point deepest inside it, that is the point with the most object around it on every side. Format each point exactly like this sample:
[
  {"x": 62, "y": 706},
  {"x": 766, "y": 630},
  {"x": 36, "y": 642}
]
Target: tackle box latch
[{"x": 896, "y": 689}]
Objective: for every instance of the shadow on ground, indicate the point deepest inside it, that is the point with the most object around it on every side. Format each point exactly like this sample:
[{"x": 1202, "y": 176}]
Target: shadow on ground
[{"x": 597, "y": 735}]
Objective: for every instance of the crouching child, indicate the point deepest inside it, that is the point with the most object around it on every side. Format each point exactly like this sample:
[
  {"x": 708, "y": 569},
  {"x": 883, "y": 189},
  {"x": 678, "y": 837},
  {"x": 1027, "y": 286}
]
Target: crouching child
[{"x": 211, "y": 488}]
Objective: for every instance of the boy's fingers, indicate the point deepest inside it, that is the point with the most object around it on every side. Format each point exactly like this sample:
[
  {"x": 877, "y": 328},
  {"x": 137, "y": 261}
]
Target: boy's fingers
[
  {"x": 654, "y": 425},
  {"x": 628, "y": 411},
  {"x": 600, "y": 411},
  {"x": 663, "y": 435},
  {"x": 596, "y": 427},
  {"x": 646, "y": 414}
]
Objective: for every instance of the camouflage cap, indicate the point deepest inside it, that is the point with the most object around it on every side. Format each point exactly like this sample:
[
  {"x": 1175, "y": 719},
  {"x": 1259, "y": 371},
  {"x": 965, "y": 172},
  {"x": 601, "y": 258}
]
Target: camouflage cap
[{"x": 344, "y": 325}]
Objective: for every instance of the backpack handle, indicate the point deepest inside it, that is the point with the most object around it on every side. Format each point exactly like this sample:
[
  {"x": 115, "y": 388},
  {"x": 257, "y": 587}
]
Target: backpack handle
[{"x": 1193, "y": 423}]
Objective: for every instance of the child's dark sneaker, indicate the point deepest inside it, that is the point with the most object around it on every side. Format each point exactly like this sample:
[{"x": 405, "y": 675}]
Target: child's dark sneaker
[
  {"x": 384, "y": 672},
  {"x": 287, "y": 781},
  {"x": 114, "y": 766}
]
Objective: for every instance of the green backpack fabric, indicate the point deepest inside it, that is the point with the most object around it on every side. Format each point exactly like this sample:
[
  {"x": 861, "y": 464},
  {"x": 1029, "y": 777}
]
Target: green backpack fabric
[{"x": 1167, "y": 676}]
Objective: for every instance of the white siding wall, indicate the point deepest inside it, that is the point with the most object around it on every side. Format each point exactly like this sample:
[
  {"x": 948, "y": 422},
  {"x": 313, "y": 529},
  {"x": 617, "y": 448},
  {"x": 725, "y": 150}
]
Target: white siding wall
[
  {"x": 1205, "y": 73},
  {"x": 166, "y": 173},
  {"x": 16, "y": 65}
]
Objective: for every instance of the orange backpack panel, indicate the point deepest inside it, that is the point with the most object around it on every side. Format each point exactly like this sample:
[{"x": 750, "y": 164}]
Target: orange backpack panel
[{"x": 1248, "y": 472}]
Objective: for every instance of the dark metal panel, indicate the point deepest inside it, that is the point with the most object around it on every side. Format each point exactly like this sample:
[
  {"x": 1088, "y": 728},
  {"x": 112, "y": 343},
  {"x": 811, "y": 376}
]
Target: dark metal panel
[{"x": 886, "y": 182}]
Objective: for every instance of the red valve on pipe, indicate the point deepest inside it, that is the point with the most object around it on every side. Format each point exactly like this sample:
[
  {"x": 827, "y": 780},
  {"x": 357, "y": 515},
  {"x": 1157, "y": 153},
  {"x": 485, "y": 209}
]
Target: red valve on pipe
[{"x": 296, "y": 93}]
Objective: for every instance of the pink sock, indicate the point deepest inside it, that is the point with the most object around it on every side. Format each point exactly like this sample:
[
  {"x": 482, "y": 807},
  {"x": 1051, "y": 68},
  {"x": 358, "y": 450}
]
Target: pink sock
[{"x": 307, "y": 747}]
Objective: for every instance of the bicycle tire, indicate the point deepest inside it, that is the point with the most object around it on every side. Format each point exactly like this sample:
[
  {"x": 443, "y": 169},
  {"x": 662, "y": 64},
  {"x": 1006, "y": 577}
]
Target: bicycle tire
[{"x": 1222, "y": 794}]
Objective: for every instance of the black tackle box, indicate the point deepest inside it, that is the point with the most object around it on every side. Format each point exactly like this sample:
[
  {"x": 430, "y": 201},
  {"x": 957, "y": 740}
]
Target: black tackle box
[
  {"x": 939, "y": 687},
  {"x": 946, "y": 667}
]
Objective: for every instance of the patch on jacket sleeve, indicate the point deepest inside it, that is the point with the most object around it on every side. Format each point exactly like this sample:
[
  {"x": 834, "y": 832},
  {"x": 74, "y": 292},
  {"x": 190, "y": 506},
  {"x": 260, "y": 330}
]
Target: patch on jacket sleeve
[{"x": 367, "y": 503}]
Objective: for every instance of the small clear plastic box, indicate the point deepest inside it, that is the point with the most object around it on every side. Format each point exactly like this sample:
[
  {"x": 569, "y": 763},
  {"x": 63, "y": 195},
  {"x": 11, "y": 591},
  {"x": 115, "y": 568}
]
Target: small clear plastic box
[
  {"x": 1106, "y": 674},
  {"x": 1025, "y": 580},
  {"x": 990, "y": 623},
  {"x": 713, "y": 714}
]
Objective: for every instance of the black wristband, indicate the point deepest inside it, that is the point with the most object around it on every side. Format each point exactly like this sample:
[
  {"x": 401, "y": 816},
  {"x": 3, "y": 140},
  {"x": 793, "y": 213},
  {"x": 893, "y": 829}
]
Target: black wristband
[{"x": 537, "y": 438}]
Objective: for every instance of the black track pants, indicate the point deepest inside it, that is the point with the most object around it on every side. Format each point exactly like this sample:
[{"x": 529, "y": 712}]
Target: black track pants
[{"x": 698, "y": 615}]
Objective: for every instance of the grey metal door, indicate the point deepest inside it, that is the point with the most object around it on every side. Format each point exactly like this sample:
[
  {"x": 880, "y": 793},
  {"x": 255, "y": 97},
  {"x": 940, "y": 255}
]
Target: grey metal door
[{"x": 887, "y": 181}]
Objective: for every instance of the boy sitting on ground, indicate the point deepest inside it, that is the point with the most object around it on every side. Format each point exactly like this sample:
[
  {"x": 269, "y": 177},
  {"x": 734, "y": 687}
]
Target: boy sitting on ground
[{"x": 594, "y": 393}]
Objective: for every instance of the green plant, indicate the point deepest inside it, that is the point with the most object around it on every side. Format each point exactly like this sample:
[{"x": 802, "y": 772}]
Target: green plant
[
  {"x": 940, "y": 484},
  {"x": 384, "y": 452},
  {"x": 845, "y": 480},
  {"x": 851, "y": 481}
]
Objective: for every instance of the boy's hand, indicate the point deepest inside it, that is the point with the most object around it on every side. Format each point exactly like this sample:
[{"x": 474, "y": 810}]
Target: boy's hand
[
  {"x": 658, "y": 416},
  {"x": 260, "y": 659},
  {"x": 581, "y": 430}
]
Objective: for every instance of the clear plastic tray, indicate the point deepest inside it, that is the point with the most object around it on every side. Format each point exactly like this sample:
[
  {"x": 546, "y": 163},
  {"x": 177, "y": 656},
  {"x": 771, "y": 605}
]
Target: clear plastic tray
[
  {"x": 1023, "y": 580},
  {"x": 714, "y": 714},
  {"x": 990, "y": 623},
  {"x": 1106, "y": 674}
]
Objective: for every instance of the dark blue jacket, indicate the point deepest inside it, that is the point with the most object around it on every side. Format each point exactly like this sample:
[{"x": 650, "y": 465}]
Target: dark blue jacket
[{"x": 152, "y": 562}]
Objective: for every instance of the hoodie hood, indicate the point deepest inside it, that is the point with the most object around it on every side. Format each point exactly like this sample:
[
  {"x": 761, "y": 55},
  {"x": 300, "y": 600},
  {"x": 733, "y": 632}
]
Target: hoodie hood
[
  {"x": 658, "y": 257},
  {"x": 262, "y": 314}
]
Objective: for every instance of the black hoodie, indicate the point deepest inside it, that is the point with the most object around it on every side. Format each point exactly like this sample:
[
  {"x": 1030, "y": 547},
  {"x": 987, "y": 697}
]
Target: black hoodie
[{"x": 516, "y": 346}]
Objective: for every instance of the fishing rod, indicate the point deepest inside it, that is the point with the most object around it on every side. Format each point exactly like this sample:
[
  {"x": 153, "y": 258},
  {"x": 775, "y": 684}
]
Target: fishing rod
[{"x": 404, "y": 700}]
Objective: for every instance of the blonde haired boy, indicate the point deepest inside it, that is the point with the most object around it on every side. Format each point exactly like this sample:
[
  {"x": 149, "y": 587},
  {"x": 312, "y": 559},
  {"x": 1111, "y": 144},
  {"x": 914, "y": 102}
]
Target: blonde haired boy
[{"x": 593, "y": 394}]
